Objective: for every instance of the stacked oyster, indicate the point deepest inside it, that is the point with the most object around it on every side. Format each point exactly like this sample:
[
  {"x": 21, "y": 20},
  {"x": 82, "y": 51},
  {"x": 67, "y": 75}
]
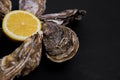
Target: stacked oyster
[{"x": 61, "y": 43}]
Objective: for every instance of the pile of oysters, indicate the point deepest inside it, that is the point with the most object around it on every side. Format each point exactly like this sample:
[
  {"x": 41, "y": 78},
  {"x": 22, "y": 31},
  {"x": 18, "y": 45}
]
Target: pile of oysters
[{"x": 61, "y": 43}]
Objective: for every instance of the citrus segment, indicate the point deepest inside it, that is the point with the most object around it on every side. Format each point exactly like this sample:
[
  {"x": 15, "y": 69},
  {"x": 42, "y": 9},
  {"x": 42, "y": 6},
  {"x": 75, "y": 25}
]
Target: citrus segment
[{"x": 19, "y": 25}]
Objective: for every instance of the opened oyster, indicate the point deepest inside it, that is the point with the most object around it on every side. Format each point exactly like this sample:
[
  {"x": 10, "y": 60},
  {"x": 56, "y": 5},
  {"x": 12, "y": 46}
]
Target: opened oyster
[
  {"x": 61, "y": 43},
  {"x": 5, "y": 7},
  {"x": 37, "y": 7},
  {"x": 23, "y": 60},
  {"x": 64, "y": 17}
]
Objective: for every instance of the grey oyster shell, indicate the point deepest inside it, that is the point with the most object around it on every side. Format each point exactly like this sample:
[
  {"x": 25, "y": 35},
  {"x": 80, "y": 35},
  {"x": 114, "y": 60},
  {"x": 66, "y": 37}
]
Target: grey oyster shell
[
  {"x": 64, "y": 17},
  {"x": 23, "y": 60},
  {"x": 37, "y": 7},
  {"x": 61, "y": 43},
  {"x": 5, "y": 7}
]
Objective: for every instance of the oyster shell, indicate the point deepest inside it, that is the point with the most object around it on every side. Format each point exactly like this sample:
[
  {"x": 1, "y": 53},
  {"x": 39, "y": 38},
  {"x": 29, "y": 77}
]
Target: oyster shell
[
  {"x": 7, "y": 3},
  {"x": 5, "y": 7},
  {"x": 37, "y": 7},
  {"x": 64, "y": 17},
  {"x": 61, "y": 43},
  {"x": 23, "y": 60}
]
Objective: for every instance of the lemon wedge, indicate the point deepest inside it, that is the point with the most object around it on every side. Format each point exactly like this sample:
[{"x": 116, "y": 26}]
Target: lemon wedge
[{"x": 19, "y": 25}]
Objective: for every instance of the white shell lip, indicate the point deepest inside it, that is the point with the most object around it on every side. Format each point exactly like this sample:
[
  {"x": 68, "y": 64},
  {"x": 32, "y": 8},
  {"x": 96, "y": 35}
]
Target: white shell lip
[{"x": 10, "y": 4}]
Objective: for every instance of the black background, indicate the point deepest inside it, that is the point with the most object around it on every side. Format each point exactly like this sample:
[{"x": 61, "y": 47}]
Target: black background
[{"x": 99, "y": 53}]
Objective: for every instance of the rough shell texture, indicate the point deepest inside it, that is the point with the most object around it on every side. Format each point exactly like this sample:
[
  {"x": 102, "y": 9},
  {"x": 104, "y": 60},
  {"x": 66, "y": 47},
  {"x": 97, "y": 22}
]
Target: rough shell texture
[
  {"x": 64, "y": 17},
  {"x": 7, "y": 4},
  {"x": 5, "y": 7},
  {"x": 23, "y": 60},
  {"x": 61, "y": 43},
  {"x": 37, "y": 7}
]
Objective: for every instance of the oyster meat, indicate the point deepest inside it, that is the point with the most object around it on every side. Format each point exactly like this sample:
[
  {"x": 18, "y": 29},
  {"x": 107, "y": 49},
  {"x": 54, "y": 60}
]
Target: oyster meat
[
  {"x": 5, "y": 7},
  {"x": 61, "y": 43},
  {"x": 37, "y": 7},
  {"x": 23, "y": 60},
  {"x": 64, "y": 17}
]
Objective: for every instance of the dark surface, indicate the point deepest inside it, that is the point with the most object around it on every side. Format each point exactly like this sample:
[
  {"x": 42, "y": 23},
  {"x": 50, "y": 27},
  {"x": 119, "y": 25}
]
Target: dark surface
[{"x": 98, "y": 57}]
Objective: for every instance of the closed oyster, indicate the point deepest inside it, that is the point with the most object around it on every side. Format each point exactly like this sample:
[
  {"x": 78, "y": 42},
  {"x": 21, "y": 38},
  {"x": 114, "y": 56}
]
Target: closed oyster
[
  {"x": 23, "y": 60},
  {"x": 64, "y": 17},
  {"x": 61, "y": 43},
  {"x": 37, "y": 7},
  {"x": 5, "y": 7}
]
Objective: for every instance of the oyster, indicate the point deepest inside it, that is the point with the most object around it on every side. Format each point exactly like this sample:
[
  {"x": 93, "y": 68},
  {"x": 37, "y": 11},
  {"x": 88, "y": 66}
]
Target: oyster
[
  {"x": 5, "y": 7},
  {"x": 23, "y": 60},
  {"x": 61, "y": 43},
  {"x": 7, "y": 4},
  {"x": 64, "y": 17},
  {"x": 37, "y": 7}
]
